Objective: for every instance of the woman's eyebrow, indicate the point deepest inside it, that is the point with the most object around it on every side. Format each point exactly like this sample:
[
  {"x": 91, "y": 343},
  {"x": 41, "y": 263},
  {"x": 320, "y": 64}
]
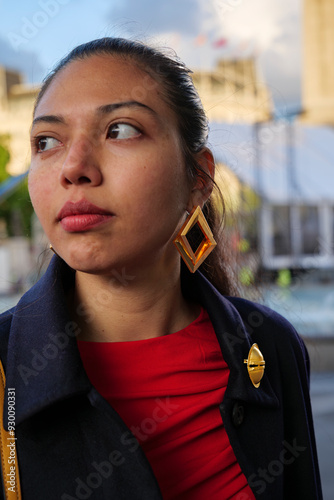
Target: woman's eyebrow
[
  {"x": 101, "y": 110},
  {"x": 48, "y": 119},
  {"x": 109, "y": 108}
]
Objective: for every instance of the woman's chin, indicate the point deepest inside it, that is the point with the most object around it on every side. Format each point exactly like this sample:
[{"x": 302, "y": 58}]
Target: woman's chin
[
  {"x": 118, "y": 269},
  {"x": 87, "y": 263}
]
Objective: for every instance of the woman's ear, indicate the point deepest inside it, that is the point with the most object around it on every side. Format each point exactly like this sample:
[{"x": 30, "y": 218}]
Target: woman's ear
[{"x": 203, "y": 186}]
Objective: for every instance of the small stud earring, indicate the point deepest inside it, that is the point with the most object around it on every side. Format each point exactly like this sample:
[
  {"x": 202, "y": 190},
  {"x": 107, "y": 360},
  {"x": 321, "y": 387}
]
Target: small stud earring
[{"x": 53, "y": 250}]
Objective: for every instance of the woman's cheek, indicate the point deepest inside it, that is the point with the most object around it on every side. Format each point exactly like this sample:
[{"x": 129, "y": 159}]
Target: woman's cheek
[{"x": 41, "y": 193}]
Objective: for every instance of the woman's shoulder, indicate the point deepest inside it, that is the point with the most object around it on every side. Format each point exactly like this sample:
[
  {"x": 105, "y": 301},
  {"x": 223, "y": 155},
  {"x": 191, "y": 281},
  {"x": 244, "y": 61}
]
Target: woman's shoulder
[
  {"x": 262, "y": 321},
  {"x": 5, "y": 325},
  {"x": 257, "y": 312},
  {"x": 259, "y": 320},
  {"x": 6, "y": 321}
]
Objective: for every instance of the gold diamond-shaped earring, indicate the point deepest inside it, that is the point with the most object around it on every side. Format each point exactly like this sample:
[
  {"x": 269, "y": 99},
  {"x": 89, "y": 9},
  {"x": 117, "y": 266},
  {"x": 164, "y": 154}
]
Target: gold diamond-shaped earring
[{"x": 191, "y": 258}]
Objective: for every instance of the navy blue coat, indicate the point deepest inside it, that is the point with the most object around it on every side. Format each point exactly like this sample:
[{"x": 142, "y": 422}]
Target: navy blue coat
[{"x": 71, "y": 444}]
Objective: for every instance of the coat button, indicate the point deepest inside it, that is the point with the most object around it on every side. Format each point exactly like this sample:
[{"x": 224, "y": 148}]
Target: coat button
[{"x": 238, "y": 414}]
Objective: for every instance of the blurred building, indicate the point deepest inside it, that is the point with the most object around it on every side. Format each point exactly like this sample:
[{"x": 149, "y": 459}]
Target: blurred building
[
  {"x": 234, "y": 92},
  {"x": 318, "y": 67},
  {"x": 285, "y": 193},
  {"x": 16, "y": 107}
]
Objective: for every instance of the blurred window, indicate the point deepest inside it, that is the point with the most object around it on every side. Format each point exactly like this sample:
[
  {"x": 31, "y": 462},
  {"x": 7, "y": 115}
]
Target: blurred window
[
  {"x": 309, "y": 223},
  {"x": 249, "y": 233},
  {"x": 281, "y": 230},
  {"x": 332, "y": 230}
]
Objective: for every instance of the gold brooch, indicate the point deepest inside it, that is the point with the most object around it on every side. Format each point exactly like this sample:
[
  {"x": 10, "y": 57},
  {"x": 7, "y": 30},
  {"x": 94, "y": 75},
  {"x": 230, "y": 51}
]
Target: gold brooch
[{"x": 255, "y": 365}]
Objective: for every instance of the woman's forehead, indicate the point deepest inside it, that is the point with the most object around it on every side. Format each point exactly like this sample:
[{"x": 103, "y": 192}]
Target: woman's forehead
[{"x": 97, "y": 76}]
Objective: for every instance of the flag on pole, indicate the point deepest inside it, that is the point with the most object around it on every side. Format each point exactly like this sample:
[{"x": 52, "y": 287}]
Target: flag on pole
[
  {"x": 200, "y": 40},
  {"x": 221, "y": 42}
]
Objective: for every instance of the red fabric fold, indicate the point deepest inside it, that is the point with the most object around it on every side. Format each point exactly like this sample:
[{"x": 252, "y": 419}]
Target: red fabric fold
[{"x": 168, "y": 390}]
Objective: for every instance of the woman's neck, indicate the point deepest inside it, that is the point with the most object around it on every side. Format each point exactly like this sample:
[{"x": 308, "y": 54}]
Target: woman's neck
[{"x": 123, "y": 307}]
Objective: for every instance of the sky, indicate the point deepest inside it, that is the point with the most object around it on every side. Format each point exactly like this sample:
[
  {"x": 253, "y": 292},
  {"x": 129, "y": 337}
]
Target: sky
[{"x": 34, "y": 35}]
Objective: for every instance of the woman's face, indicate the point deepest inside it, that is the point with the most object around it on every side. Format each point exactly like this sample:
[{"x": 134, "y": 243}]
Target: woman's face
[{"x": 108, "y": 180}]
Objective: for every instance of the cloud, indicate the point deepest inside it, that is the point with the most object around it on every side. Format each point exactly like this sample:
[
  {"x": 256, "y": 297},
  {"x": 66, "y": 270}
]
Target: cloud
[
  {"x": 273, "y": 29},
  {"x": 268, "y": 28},
  {"x": 282, "y": 63},
  {"x": 152, "y": 17},
  {"x": 26, "y": 62}
]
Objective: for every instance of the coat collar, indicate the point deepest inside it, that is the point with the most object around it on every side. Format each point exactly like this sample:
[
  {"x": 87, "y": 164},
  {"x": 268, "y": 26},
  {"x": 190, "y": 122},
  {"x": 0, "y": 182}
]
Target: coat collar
[
  {"x": 44, "y": 364},
  {"x": 234, "y": 339}
]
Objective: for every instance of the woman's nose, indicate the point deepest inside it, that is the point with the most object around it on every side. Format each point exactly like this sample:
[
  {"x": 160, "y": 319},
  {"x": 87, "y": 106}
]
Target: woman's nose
[{"x": 81, "y": 165}]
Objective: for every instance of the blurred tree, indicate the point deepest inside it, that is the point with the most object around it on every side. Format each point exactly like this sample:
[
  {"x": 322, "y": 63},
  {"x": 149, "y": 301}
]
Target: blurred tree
[
  {"x": 284, "y": 278},
  {"x": 246, "y": 276},
  {"x": 16, "y": 210},
  {"x": 4, "y": 157}
]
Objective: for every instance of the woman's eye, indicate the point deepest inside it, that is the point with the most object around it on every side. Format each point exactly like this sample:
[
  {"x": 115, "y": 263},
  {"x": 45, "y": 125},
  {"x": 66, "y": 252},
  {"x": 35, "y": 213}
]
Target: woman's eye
[
  {"x": 46, "y": 143},
  {"x": 122, "y": 131}
]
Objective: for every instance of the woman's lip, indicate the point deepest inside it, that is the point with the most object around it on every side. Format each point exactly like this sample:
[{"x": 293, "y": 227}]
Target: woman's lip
[
  {"x": 83, "y": 222},
  {"x": 82, "y": 207}
]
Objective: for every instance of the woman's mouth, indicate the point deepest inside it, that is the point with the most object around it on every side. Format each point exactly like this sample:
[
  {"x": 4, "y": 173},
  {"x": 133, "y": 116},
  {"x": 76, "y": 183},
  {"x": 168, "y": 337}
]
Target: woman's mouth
[{"x": 82, "y": 216}]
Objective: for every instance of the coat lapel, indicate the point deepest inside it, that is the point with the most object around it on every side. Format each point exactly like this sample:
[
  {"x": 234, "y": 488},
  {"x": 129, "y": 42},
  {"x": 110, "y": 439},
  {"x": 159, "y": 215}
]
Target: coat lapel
[
  {"x": 43, "y": 363},
  {"x": 234, "y": 339}
]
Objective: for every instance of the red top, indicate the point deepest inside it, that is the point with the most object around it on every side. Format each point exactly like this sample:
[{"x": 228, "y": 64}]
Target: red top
[{"x": 167, "y": 390}]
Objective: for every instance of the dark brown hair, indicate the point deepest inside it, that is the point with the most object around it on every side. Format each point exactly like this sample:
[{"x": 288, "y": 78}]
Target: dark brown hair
[{"x": 180, "y": 94}]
